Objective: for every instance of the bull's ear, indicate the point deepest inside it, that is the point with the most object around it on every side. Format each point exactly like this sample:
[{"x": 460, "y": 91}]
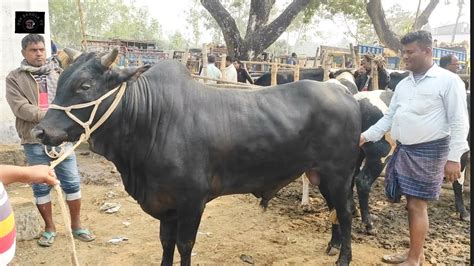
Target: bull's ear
[{"x": 132, "y": 72}]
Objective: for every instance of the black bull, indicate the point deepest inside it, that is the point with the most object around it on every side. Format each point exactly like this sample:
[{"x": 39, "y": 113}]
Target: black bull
[{"x": 178, "y": 143}]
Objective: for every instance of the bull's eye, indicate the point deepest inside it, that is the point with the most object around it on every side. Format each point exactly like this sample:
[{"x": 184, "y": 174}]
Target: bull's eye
[{"x": 85, "y": 86}]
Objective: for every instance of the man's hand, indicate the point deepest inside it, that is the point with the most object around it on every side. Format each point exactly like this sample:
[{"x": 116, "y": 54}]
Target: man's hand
[
  {"x": 362, "y": 140},
  {"x": 452, "y": 171},
  {"x": 40, "y": 174}
]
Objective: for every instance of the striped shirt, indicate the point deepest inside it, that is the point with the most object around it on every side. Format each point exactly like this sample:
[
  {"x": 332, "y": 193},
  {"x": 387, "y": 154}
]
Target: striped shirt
[{"x": 7, "y": 228}]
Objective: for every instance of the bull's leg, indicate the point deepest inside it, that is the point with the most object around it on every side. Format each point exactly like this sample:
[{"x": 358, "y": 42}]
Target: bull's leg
[
  {"x": 168, "y": 233},
  {"x": 459, "y": 201},
  {"x": 334, "y": 244},
  {"x": 366, "y": 177},
  {"x": 360, "y": 161},
  {"x": 189, "y": 218},
  {"x": 364, "y": 182},
  {"x": 458, "y": 188},
  {"x": 342, "y": 194}
]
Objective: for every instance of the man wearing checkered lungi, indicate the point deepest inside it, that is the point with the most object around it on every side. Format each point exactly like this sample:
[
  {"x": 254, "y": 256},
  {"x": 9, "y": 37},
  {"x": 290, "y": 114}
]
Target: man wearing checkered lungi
[{"x": 428, "y": 118}]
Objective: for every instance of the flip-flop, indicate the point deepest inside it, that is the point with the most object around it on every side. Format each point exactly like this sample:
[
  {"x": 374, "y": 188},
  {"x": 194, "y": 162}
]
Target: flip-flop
[
  {"x": 46, "y": 239},
  {"x": 83, "y": 235},
  {"x": 395, "y": 258}
]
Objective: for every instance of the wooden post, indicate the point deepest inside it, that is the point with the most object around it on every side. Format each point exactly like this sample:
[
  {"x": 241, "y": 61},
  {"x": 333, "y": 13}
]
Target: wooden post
[
  {"x": 316, "y": 57},
  {"x": 274, "y": 72},
  {"x": 223, "y": 62},
  {"x": 357, "y": 59},
  {"x": 354, "y": 63},
  {"x": 375, "y": 77},
  {"x": 83, "y": 29},
  {"x": 296, "y": 72},
  {"x": 343, "y": 61},
  {"x": 184, "y": 60},
  {"x": 204, "y": 61},
  {"x": 325, "y": 65},
  {"x": 333, "y": 62}
]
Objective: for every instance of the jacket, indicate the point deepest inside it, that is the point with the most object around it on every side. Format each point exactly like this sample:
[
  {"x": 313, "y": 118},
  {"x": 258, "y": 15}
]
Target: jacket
[{"x": 22, "y": 94}]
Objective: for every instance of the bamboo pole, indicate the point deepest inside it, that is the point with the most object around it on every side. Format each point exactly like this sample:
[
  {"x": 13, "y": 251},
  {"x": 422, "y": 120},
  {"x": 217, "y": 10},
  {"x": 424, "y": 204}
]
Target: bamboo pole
[
  {"x": 296, "y": 73},
  {"x": 223, "y": 82},
  {"x": 354, "y": 61},
  {"x": 316, "y": 57},
  {"x": 267, "y": 63},
  {"x": 357, "y": 58},
  {"x": 83, "y": 30},
  {"x": 274, "y": 72},
  {"x": 375, "y": 77},
  {"x": 204, "y": 61},
  {"x": 325, "y": 65},
  {"x": 223, "y": 62}
]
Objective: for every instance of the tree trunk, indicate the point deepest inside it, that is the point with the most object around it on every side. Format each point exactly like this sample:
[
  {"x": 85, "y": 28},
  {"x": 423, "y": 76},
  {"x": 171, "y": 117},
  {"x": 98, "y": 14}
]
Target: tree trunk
[
  {"x": 417, "y": 13},
  {"x": 425, "y": 15},
  {"x": 460, "y": 3},
  {"x": 260, "y": 35},
  {"x": 385, "y": 34}
]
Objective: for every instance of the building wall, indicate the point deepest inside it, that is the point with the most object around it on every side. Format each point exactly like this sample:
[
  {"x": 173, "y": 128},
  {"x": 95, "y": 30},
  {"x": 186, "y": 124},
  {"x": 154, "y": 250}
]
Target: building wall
[
  {"x": 462, "y": 28},
  {"x": 10, "y": 56}
]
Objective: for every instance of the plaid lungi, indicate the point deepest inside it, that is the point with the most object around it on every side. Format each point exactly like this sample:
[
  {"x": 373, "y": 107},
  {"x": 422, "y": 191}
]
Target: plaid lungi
[{"x": 417, "y": 170}]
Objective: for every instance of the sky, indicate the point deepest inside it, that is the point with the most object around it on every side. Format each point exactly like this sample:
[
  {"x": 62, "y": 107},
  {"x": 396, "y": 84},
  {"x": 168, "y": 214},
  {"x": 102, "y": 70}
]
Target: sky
[{"x": 172, "y": 17}]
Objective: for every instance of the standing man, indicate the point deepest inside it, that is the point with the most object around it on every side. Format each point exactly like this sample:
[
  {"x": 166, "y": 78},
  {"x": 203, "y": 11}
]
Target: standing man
[
  {"x": 242, "y": 73},
  {"x": 449, "y": 62},
  {"x": 29, "y": 91},
  {"x": 212, "y": 71},
  {"x": 293, "y": 60},
  {"x": 363, "y": 77},
  {"x": 428, "y": 118},
  {"x": 230, "y": 73}
]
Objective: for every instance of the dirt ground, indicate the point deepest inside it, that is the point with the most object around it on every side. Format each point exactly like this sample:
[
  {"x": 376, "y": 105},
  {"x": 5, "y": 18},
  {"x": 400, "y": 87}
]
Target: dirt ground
[{"x": 234, "y": 229}]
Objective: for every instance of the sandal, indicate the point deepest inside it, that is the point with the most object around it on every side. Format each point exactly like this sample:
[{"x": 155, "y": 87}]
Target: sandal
[
  {"x": 395, "y": 258},
  {"x": 83, "y": 235},
  {"x": 46, "y": 239}
]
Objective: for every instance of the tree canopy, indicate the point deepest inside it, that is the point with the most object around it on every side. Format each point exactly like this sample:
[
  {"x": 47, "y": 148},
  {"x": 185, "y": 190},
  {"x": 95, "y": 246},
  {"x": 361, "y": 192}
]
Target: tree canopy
[{"x": 122, "y": 21}]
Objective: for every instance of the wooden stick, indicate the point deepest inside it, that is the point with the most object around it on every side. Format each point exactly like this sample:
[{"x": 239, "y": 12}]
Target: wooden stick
[
  {"x": 274, "y": 74},
  {"x": 316, "y": 57},
  {"x": 296, "y": 73},
  {"x": 375, "y": 76},
  {"x": 221, "y": 81}
]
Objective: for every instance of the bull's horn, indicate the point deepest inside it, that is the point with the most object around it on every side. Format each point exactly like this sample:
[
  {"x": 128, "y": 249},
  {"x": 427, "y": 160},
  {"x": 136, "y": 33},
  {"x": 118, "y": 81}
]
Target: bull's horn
[
  {"x": 109, "y": 58},
  {"x": 73, "y": 54}
]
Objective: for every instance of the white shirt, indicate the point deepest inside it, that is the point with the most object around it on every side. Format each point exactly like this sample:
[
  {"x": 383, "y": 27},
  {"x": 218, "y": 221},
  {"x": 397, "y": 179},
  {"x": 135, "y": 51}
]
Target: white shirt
[
  {"x": 212, "y": 72},
  {"x": 230, "y": 73},
  {"x": 431, "y": 109}
]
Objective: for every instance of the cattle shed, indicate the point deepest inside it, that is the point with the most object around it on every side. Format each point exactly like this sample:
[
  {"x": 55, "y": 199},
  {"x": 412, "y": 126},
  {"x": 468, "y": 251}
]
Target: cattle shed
[{"x": 11, "y": 56}]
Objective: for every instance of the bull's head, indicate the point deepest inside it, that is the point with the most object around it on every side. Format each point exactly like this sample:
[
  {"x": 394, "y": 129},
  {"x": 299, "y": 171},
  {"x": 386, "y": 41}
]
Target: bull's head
[{"x": 86, "y": 80}]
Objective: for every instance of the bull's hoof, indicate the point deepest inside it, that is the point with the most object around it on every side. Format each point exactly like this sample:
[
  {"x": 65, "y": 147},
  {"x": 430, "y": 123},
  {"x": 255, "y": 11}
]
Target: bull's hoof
[
  {"x": 355, "y": 213},
  {"x": 342, "y": 263},
  {"x": 465, "y": 216},
  {"x": 370, "y": 230},
  {"x": 331, "y": 250}
]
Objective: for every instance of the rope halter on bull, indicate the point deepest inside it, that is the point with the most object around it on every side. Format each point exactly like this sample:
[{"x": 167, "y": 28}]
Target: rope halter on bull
[
  {"x": 88, "y": 130},
  {"x": 106, "y": 60},
  {"x": 87, "y": 125}
]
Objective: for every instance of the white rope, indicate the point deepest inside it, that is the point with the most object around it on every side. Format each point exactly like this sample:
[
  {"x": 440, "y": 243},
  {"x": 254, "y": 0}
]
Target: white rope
[{"x": 84, "y": 137}]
